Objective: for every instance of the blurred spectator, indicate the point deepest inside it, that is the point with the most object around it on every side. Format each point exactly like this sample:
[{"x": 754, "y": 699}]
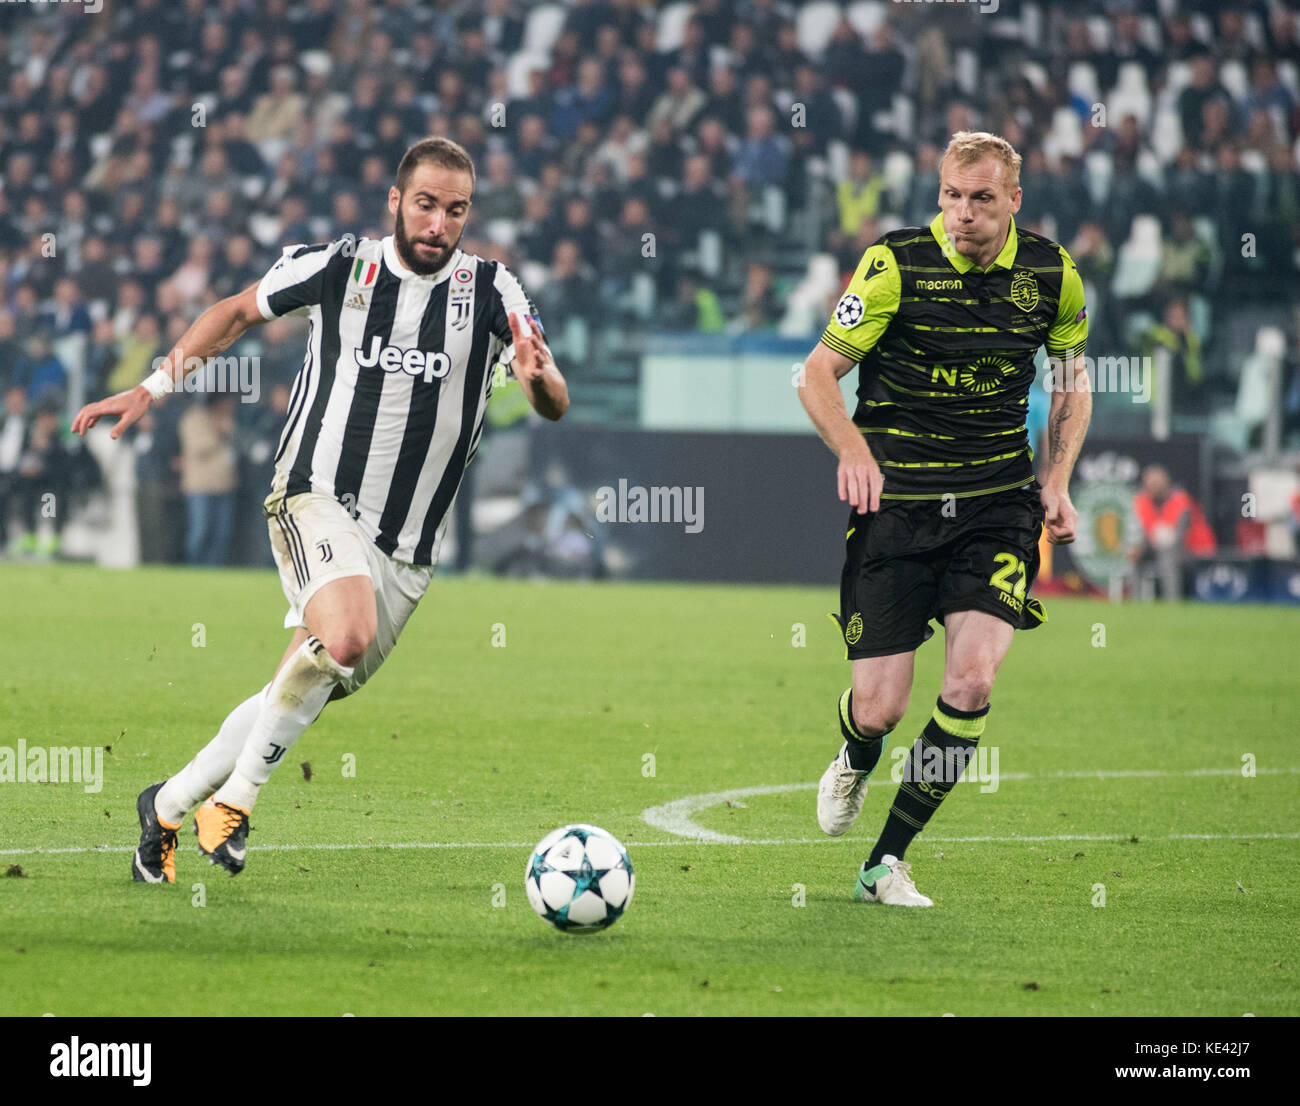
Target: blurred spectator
[
  {"x": 758, "y": 306},
  {"x": 859, "y": 194},
  {"x": 41, "y": 373},
  {"x": 209, "y": 478},
  {"x": 680, "y": 103},
  {"x": 159, "y": 508},
  {"x": 1176, "y": 335},
  {"x": 761, "y": 158},
  {"x": 258, "y": 429},
  {"x": 498, "y": 196},
  {"x": 42, "y": 483},
  {"x": 276, "y": 113},
  {"x": 13, "y": 441},
  {"x": 1184, "y": 259},
  {"x": 572, "y": 291},
  {"x": 1203, "y": 88},
  {"x": 1173, "y": 529},
  {"x": 136, "y": 353}
]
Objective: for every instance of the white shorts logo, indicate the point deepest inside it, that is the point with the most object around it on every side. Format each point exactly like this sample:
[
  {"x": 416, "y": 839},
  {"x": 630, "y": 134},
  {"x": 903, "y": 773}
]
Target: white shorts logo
[{"x": 848, "y": 312}]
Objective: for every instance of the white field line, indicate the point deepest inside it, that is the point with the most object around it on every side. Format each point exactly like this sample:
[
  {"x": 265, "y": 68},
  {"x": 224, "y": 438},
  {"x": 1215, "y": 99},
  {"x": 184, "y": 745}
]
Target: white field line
[
  {"x": 679, "y": 842},
  {"x": 677, "y": 816}
]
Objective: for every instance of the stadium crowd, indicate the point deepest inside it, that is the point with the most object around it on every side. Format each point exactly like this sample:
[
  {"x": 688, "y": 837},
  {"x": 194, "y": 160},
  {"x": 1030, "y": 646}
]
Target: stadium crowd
[{"x": 712, "y": 166}]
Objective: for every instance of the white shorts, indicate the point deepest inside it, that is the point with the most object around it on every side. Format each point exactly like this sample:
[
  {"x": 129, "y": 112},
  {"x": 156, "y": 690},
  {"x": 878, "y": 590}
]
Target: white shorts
[{"x": 314, "y": 540}]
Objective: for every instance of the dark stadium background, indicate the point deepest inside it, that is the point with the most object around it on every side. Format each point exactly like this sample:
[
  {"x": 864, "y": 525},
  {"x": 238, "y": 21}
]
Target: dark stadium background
[{"x": 156, "y": 156}]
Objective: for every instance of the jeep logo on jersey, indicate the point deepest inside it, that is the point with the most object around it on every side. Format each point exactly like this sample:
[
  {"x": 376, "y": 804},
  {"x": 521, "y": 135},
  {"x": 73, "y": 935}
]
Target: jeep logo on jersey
[
  {"x": 413, "y": 362},
  {"x": 1024, "y": 290}
]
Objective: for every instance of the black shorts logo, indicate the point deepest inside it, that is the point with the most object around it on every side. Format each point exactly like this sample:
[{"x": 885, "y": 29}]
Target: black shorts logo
[{"x": 853, "y": 631}]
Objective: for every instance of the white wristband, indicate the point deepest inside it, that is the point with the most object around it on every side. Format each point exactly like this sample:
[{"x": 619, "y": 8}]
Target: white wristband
[{"x": 159, "y": 384}]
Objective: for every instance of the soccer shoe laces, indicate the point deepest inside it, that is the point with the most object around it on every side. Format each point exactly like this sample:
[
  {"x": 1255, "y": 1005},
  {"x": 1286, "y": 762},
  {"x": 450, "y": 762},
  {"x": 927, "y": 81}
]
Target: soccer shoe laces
[
  {"x": 231, "y": 819},
  {"x": 903, "y": 870},
  {"x": 846, "y": 779}
]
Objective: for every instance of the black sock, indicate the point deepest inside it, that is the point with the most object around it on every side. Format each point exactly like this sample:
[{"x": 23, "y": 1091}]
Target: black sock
[
  {"x": 863, "y": 752},
  {"x": 936, "y": 763}
]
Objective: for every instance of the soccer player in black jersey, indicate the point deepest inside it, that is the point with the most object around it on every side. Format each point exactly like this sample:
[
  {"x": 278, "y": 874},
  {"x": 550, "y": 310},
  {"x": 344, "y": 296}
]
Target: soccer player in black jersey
[{"x": 943, "y": 323}]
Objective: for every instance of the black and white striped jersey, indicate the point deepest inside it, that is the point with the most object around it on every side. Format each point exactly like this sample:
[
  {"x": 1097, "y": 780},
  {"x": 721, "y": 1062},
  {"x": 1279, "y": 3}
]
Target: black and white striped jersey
[{"x": 388, "y": 406}]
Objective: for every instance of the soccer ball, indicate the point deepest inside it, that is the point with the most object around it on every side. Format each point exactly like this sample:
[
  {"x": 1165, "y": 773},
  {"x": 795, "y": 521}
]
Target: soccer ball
[{"x": 579, "y": 879}]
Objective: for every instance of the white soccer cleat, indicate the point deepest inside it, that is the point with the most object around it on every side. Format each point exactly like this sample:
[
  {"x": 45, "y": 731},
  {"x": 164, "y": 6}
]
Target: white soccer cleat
[
  {"x": 890, "y": 883},
  {"x": 840, "y": 795}
]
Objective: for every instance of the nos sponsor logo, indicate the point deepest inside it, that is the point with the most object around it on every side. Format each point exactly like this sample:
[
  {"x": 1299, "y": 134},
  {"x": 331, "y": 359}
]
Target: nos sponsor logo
[{"x": 413, "y": 362}]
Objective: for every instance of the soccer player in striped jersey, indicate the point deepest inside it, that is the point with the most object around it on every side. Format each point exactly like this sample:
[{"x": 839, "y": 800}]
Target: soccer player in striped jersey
[
  {"x": 385, "y": 415},
  {"x": 942, "y": 323}
]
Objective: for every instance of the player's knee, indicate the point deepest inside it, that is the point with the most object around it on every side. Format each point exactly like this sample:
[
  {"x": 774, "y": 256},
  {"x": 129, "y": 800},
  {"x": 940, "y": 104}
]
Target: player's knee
[
  {"x": 348, "y": 646},
  {"x": 878, "y": 715},
  {"x": 969, "y": 689}
]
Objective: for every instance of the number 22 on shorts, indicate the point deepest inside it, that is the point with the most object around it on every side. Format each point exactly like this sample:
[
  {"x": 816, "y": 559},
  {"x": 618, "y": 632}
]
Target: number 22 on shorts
[{"x": 1011, "y": 566}]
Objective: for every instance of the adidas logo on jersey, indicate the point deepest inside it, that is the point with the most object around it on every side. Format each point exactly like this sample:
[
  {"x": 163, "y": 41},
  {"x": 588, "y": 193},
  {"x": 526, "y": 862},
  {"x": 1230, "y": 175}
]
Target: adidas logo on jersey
[
  {"x": 355, "y": 300},
  {"x": 414, "y": 362}
]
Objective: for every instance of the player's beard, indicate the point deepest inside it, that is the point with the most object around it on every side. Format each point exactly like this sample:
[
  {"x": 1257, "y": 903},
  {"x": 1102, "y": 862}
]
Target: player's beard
[{"x": 422, "y": 263}]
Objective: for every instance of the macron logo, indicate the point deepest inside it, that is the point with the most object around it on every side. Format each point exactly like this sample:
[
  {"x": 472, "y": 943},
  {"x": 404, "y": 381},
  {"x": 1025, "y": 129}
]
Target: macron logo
[
  {"x": 103, "y": 1060},
  {"x": 414, "y": 362}
]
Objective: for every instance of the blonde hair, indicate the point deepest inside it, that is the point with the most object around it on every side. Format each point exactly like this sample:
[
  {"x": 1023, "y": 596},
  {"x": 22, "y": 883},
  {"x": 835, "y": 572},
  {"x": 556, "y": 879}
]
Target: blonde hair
[{"x": 972, "y": 147}]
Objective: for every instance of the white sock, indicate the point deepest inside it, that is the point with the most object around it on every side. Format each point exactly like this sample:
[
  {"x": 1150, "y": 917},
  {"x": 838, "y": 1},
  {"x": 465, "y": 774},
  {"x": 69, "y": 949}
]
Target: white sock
[
  {"x": 211, "y": 765},
  {"x": 296, "y": 696}
]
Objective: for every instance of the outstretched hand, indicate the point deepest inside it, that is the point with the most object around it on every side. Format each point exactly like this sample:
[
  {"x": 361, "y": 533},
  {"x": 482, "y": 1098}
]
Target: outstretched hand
[
  {"x": 532, "y": 357},
  {"x": 130, "y": 405}
]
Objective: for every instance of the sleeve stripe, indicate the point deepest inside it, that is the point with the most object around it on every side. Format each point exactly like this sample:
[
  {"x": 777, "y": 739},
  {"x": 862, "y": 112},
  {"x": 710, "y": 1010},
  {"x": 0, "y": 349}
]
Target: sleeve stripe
[
  {"x": 297, "y": 279},
  {"x": 841, "y": 347}
]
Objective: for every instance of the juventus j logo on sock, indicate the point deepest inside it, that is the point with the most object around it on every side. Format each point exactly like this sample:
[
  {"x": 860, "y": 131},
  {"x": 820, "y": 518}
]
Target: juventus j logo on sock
[{"x": 276, "y": 753}]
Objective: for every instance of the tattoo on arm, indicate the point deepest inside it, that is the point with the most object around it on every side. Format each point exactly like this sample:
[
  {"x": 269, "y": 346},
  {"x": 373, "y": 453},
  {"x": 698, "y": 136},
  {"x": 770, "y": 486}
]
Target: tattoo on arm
[{"x": 1055, "y": 435}]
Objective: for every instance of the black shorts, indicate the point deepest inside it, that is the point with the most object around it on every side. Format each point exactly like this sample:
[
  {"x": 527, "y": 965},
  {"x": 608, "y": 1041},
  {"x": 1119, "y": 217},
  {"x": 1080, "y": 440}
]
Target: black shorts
[{"x": 912, "y": 561}]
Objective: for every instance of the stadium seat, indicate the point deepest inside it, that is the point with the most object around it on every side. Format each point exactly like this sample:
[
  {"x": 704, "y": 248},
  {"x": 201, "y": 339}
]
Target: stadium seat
[
  {"x": 1138, "y": 261},
  {"x": 1167, "y": 135},
  {"x": 1035, "y": 74},
  {"x": 1288, "y": 75},
  {"x": 502, "y": 232},
  {"x": 815, "y": 24},
  {"x": 543, "y": 27},
  {"x": 848, "y": 105},
  {"x": 670, "y": 30},
  {"x": 533, "y": 274},
  {"x": 966, "y": 70},
  {"x": 1258, "y": 391},
  {"x": 519, "y": 65},
  {"x": 903, "y": 116},
  {"x": 897, "y": 172},
  {"x": 837, "y": 159},
  {"x": 1130, "y": 96},
  {"x": 866, "y": 16},
  {"x": 709, "y": 254},
  {"x": 806, "y": 302},
  {"x": 1082, "y": 81},
  {"x": 1232, "y": 75},
  {"x": 1178, "y": 75},
  {"x": 1065, "y": 139}
]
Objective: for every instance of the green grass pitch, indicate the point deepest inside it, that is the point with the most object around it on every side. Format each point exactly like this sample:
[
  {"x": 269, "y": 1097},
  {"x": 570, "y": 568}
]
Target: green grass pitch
[{"x": 1121, "y": 765}]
